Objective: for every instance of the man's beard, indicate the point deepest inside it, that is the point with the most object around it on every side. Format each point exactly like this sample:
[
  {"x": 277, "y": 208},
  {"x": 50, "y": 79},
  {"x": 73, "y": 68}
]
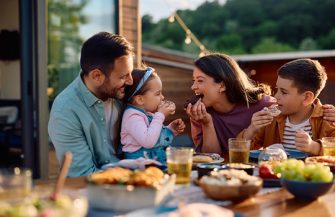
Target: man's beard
[{"x": 111, "y": 93}]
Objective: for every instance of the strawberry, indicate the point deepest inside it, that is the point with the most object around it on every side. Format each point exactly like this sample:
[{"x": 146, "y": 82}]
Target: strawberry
[{"x": 265, "y": 172}]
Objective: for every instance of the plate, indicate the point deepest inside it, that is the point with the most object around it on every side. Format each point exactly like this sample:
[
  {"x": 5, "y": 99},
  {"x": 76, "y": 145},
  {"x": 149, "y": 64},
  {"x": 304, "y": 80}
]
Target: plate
[
  {"x": 291, "y": 154},
  {"x": 213, "y": 162}
]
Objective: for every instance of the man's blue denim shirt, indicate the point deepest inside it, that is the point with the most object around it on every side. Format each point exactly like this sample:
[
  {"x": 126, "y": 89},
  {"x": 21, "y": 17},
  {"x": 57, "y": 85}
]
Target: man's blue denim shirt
[{"x": 77, "y": 124}]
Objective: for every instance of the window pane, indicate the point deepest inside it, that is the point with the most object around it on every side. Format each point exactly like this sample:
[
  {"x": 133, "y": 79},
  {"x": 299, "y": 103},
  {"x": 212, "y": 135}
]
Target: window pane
[{"x": 70, "y": 23}]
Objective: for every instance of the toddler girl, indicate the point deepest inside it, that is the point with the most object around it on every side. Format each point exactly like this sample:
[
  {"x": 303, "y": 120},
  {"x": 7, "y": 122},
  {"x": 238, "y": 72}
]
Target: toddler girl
[{"x": 142, "y": 131}]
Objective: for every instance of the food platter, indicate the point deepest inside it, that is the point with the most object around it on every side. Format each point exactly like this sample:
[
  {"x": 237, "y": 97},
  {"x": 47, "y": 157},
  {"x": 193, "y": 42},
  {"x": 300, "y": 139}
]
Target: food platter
[
  {"x": 208, "y": 158},
  {"x": 126, "y": 197}
]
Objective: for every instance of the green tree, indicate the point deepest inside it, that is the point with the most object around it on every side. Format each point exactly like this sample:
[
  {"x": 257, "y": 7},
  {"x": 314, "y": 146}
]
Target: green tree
[
  {"x": 328, "y": 42},
  {"x": 64, "y": 42},
  {"x": 230, "y": 43},
  {"x": 270, "y": 45},
  {"x": 240, "y": 26},
  {"x": 308, "y": 44}
]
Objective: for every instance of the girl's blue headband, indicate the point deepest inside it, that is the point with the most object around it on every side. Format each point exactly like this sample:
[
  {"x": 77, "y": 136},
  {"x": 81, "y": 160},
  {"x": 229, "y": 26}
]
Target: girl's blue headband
[{"x": 147, "y": 74}]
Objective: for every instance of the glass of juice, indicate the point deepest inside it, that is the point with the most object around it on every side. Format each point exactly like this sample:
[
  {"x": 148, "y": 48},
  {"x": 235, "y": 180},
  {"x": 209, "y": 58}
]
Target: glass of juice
[
  {"x": 238, "y": 150},
  {"x": 179, "y": 162},
  {"x": 15, "y": 183},
  {"x": 328, "y": 146}
]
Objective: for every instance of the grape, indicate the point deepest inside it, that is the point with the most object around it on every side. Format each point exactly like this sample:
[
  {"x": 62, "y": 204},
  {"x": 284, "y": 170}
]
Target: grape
[
  {"x": 322, "y": 175},
  {"x": 293, "y": 169},
  {"x": 308, "y": 171}
]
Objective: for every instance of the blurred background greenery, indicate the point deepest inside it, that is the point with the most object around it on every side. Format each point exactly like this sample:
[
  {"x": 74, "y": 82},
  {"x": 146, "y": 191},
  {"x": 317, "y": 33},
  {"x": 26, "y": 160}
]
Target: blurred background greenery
[{"x": 249, "y": 27}]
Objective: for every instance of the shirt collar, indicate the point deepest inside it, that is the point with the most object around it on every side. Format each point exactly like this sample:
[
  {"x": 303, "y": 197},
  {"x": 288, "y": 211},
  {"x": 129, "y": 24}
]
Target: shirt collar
[{"x": 87, "y": 95}]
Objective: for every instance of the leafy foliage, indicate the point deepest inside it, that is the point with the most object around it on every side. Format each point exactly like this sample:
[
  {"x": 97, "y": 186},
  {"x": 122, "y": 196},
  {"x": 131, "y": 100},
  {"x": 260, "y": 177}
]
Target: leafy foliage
[{"x": 250, "y": 26}]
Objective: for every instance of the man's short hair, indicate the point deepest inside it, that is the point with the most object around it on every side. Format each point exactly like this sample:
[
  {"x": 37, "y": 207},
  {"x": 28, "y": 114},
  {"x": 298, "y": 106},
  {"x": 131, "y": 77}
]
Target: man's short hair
[
  {"x": 306, "y": 74},
  {"x": 101, "y": 50}
]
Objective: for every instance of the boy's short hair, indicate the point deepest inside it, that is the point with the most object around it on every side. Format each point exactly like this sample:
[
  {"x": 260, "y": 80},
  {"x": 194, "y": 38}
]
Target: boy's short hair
[{"x": 306, "y": 74}]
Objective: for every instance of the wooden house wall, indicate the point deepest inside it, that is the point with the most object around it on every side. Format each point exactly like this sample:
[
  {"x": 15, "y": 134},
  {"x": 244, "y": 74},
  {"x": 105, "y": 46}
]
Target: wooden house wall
[
  {"x": 177, "y": 88},
  {"x": 130, "y": 25}
]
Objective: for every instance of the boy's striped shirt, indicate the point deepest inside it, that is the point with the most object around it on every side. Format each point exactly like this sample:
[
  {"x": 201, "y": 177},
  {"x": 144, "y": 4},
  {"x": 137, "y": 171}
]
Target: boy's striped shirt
[{"x": 290, "y": 131}]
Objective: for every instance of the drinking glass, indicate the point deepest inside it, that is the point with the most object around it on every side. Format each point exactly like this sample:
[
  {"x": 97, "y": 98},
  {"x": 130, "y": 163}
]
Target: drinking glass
[
  {"x": 272, "y": 156},
  {"x": 328, "y": 146},
  {"x": 15, "y": 183},
  {"x": 238, "y": 150},
  {"x": 179, "y": 162}
]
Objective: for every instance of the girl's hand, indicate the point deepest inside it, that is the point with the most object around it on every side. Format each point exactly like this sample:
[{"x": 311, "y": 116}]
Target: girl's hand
[
  {"x": 177, "y": 126},
  {"x": 329, "y": 113},
  {"x": 167, "y": 108},
  {"x": 198, "y": 112}
]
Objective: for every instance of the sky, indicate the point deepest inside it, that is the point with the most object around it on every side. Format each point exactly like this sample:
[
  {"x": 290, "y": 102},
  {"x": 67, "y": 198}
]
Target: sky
[{"x": 163, "y": 8}]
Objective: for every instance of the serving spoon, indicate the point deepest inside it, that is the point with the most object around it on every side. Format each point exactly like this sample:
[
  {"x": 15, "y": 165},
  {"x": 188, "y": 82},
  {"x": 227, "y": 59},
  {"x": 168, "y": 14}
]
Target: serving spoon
[{"x": 62, "y": 175}]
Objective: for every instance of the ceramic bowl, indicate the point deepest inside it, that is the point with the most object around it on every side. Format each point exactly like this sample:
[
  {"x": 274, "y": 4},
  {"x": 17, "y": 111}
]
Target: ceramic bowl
[
  {"x": 249, "y": 168},
  {"x": 205, "y": 168},
  {"x": 306, "y": 189},
  {"x": 231, "y": 192}
]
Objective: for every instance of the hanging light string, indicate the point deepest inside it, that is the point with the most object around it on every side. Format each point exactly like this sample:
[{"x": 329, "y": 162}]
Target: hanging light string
[{"x": 189, "y": 35}]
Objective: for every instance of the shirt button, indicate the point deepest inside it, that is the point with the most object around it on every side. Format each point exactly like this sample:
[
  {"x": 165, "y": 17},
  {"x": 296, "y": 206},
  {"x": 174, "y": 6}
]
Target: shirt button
[
  {"x": 99, "y": 101},
  {"x": 102, "y": 119}
]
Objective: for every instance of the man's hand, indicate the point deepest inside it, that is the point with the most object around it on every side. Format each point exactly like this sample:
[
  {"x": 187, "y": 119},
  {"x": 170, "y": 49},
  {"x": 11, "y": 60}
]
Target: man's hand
[
  {"x": 329, "y": 113},
  {"x": 304, "y": 143},
  {"x": 177, "y": 126}
]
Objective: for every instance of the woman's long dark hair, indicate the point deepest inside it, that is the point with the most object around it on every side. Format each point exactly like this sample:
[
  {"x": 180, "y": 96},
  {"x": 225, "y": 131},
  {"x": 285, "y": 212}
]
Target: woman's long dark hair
[{"x": 239, "y": 87}]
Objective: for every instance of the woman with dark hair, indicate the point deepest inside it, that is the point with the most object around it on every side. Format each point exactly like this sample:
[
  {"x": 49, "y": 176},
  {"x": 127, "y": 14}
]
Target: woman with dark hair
[{"x": 228, "y": 101}]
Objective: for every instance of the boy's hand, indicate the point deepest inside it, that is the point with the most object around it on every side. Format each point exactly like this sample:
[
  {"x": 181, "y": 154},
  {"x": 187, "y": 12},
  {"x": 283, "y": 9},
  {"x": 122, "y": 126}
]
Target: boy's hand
[
  {"x": 304, "y": 142},
  {"x": 198, "y": 112},
  {"x": 177, "y": 125},
  {"x": 329, "y": 113},
  {"x": 260, "y": 119}
]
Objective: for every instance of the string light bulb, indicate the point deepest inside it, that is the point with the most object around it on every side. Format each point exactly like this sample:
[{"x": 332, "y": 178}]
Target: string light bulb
[
  {"x": 171, "y": 18},
  {"x": 188, "y": 39}
]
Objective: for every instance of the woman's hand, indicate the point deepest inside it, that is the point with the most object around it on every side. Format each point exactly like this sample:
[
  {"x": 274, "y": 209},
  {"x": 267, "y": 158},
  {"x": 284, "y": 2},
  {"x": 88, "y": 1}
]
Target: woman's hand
[
  {"x": 329, "y": 113},
  {"x": 198, "y": 112},
  {"x": 178, "y": 126}
]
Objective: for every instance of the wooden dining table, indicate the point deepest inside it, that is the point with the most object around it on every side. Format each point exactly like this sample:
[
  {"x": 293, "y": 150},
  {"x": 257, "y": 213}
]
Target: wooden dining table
[{"x": 276, "y": 202}]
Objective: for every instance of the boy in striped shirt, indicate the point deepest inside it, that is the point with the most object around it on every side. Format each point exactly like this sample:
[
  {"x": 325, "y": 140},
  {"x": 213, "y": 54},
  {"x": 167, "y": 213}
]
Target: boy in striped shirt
[{"x": 300, "y": 125}]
